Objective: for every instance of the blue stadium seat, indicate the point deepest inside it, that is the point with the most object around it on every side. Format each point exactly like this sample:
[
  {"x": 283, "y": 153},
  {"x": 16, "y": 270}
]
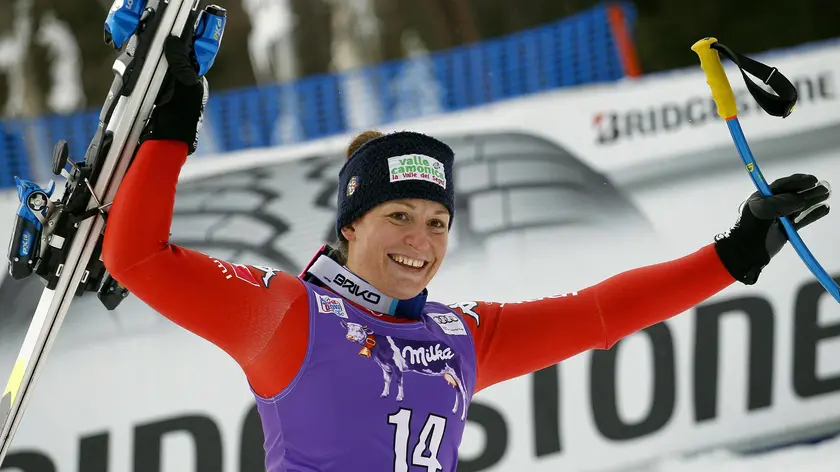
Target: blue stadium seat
[
  {"x": 576, "y": 50},
  {"x": 13, "y": 157}
]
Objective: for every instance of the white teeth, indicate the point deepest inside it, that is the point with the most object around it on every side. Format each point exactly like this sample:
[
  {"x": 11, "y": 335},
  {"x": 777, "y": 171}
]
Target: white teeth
[{"x": 407, "y": 261}]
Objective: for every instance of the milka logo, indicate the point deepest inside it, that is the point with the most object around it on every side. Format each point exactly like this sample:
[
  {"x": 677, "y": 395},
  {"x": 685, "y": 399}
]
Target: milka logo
[
  {"x": 417, "y": 167},
  {"x": 396, "y": 357},
  {"x": 424, "y": 356}
]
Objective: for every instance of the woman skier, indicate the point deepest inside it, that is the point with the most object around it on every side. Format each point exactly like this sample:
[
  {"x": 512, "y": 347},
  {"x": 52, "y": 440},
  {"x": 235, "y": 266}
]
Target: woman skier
[{"x": 352, "y": 367}]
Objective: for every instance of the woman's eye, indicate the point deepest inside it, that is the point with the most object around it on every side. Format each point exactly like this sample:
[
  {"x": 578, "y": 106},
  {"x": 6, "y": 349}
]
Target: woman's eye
[
  {"x": 399, "y": 216},
  {"x": 438, "y": 225}
]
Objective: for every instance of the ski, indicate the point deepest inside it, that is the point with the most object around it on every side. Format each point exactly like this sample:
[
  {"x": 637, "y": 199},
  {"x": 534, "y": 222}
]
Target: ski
[{"x": 58, "y": 235}]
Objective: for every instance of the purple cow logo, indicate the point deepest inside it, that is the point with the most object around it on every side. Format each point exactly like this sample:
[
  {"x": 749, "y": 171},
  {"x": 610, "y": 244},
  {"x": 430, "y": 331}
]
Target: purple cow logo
[{"x": 398, "y": 356}]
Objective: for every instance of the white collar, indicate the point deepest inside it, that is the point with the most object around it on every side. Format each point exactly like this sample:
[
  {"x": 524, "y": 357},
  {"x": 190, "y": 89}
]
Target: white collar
[{"x": 341, "y": 280}]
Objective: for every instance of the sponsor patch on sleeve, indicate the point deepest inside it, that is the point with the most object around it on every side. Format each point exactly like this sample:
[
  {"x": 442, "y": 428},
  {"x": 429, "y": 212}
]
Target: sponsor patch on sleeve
[
  {"x": 268, "y": 274},
  {"x": 449, "y": 323},
  {"x": 242, "y": 273},
  {"x": 331, "y": 305}
]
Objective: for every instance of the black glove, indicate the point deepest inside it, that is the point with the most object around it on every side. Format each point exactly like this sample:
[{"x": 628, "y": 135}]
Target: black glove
[
  {"x": 179, "y": 106},
  {"x": 758, "y": 234}
]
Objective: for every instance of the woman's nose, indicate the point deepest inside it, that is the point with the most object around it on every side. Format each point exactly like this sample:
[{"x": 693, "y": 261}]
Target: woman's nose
[{"x": 417, "y": 238}]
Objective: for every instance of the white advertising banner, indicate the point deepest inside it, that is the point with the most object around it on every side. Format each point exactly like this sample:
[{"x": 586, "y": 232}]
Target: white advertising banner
[{"x": 555, "y": 192}]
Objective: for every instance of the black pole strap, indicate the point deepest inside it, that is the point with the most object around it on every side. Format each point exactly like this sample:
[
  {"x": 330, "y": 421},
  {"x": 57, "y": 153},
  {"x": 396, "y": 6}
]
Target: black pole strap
[{"x": 782, "y": 103}]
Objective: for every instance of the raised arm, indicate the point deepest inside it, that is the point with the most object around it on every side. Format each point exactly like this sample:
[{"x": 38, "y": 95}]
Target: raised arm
[
  {"x": 247, "y": 311},
  {"x": 228, "y": 304},
  {"x": 514, "y": 339}
]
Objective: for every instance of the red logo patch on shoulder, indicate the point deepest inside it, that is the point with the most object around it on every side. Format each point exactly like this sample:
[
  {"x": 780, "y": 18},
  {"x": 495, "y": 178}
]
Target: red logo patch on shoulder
[{"x": 242, "y": 273}]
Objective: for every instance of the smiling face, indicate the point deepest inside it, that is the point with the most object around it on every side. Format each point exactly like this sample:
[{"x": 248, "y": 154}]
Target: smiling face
[{"x": 399, "y": 245}]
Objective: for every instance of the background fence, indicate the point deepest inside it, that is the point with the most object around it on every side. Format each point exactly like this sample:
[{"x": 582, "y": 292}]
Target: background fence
[{"x": 589, "y": 47}]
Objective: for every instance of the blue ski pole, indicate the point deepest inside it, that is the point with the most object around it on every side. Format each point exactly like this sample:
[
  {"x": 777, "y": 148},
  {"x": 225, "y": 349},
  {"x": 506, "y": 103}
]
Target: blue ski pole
[{"x": 777, "y": 105}]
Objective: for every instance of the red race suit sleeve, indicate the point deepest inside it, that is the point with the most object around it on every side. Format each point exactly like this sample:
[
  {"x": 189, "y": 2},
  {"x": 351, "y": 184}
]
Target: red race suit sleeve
[
  {"x": 259, "y": 316},
  {"x": 514, "y": 339}
]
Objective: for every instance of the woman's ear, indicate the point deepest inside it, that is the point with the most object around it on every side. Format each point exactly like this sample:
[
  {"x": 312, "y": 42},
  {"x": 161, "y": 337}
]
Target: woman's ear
[{"x": 349, "y": 232}]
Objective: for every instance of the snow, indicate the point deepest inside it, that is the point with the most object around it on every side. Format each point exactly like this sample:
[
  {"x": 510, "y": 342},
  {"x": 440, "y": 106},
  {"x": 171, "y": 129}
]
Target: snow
[{"x": 821, "y": 457}]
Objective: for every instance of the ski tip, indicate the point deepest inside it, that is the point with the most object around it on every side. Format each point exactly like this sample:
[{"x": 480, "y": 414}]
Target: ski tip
[{"x": 15, "y": 381}]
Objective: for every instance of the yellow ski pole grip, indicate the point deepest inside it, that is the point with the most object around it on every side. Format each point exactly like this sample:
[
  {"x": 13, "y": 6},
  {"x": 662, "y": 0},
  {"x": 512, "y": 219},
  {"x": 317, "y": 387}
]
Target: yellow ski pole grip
[{"x": 716, "y": 77}]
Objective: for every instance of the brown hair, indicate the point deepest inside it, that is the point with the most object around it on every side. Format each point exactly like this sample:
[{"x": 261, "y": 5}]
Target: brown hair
[{"x": 360, "y": 139}]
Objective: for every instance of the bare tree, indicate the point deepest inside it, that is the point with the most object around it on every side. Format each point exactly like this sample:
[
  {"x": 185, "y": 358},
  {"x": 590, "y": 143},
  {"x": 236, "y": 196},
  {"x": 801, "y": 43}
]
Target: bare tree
[
  {"x": 66, "y": 92},
  {"x": 271, "y": 45},
  {"x": 313, "y": 35},
  {"x": 355, "y": 34},
  {"x": 14, "y": 59}
]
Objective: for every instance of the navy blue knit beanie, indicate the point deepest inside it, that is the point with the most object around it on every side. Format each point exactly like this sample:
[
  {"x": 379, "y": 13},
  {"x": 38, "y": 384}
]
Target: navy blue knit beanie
[{"x": 394, "y": 166}]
